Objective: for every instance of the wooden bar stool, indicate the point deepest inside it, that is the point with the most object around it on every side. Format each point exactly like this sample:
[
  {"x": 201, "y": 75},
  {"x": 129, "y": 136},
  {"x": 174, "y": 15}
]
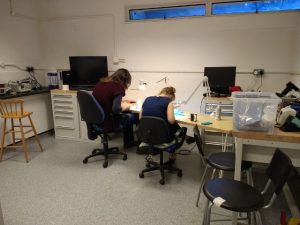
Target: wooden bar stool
[{"x": 13, "y": 110}]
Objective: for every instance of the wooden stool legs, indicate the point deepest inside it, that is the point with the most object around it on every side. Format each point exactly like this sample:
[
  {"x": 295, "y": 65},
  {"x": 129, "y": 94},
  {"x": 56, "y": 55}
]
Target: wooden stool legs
[
  {"x": 22, "y": 134},
  {"x": 3, "y": 139},
  {"x": 35, "y": 134},
  {"x": 25, "y": 148}
]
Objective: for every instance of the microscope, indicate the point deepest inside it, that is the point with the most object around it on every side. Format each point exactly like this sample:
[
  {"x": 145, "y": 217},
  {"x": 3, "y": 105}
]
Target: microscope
[{"x": 289, "y": 87}]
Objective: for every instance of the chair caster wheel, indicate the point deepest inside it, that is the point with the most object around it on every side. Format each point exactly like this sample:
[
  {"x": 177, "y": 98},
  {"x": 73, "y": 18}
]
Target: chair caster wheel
[
  {"x": 85, "y": 161},
  {"x": 125, "y": 157},
  {"x": 162, "y": 182},
  {"x": 141, "y": 175},
  {"x": 147, "y": 165},
  {"x": 179, "y": 174},
  {"x": 105, "y": 164}
]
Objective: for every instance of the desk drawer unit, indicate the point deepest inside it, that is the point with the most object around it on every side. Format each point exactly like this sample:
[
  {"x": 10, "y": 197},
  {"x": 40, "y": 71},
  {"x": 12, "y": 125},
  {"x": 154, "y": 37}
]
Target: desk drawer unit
[
  {"x": 226, "y": 109},
  {"x": 65, "y": 115}
]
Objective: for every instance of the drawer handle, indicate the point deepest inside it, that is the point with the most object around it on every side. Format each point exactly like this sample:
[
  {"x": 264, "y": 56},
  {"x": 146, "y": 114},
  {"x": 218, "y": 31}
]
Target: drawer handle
[
  {"x": 63, "y": 106},
  {"x": 63, "y": 111},
  {"x": 65, "y": 127},
  {"x": 65, "y": 117},
  {"x": 62, "y": 101},
  {"x": 62, "y": 96}
]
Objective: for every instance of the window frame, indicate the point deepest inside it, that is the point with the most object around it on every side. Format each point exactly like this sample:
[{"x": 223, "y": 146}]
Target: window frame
[
  {"x": 208, "y": 4},
  {"x": 128, "y": 9},
  {"x": 241, "y": 13}
]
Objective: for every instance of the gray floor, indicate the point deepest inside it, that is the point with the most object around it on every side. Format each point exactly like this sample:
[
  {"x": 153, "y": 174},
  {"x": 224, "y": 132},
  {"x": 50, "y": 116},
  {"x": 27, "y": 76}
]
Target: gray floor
[{"x": 55, "y": 188}]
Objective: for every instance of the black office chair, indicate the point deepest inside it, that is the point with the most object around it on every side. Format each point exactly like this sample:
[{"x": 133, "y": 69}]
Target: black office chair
[
  {"x": 154, "y": 132},
  {"x": 238, "y": 196},
  {"x": 219, "y": 161},
  {"x": 93, "y": 115}
]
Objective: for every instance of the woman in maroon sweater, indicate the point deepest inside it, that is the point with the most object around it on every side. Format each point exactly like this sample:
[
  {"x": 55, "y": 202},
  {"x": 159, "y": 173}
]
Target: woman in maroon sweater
[{"x": 109, "y": 92}]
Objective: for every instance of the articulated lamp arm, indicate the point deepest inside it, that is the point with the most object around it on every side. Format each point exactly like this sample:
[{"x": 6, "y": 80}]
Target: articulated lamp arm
[{"x": 205, "y": 83}]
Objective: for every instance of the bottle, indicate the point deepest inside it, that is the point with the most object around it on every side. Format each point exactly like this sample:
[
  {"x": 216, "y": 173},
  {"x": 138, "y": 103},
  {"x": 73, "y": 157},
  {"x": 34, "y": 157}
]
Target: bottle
[
  {"x": 283, "y": 218},
  {"x": 218, "y": 112}
]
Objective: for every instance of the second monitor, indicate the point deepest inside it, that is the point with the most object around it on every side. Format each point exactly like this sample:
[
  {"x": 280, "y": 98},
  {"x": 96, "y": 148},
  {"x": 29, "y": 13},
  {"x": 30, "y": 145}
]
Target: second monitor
[{"x": 220, "y": 79}]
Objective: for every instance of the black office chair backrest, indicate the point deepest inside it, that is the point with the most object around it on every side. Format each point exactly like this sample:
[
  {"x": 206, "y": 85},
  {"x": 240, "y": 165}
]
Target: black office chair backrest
[
  {"x": 279, "y": 170},
  {"x": 90, "y": 110},
  {"x": 153, "y": 130},
  {"x": 198, "y": 140}
]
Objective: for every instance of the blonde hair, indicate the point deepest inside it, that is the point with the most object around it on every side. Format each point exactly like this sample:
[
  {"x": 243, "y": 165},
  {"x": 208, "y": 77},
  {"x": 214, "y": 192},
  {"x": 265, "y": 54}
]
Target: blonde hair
[
  {"x": 169, "y": 91},
  {"x": 120, "y": 76}
]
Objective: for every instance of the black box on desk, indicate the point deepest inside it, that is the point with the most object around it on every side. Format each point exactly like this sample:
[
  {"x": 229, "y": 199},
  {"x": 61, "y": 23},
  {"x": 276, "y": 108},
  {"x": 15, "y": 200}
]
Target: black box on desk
[{"x": 66, "y": 77}]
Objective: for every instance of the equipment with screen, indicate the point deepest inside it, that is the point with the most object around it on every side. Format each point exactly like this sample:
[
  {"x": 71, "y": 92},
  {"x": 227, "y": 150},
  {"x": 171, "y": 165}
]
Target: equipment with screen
[
  {"x": 220, "y": 79},
  {"x": 87, "y": 70}
]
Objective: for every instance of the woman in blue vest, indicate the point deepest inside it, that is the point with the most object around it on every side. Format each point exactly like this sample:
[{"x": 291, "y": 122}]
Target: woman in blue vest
[{"x": 162, "y": 106}]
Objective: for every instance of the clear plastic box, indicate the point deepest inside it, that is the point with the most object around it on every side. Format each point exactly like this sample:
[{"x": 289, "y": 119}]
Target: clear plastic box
[{"x": 255, "y": 110}]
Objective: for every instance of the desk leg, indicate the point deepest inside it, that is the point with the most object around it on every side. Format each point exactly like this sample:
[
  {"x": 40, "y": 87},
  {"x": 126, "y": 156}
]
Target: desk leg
[
  {"x": 238, "y": 158},
  {"x": 237, "y": 170},
  {"x": 224, "y": 144}
]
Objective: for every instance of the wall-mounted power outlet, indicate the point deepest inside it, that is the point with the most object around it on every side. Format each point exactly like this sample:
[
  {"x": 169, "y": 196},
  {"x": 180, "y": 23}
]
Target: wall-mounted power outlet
[{"x": 258, "y": 72}]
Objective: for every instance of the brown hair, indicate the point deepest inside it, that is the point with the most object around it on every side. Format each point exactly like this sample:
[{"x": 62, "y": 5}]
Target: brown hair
[
  {"x": 169, "y": 91},
  {"x": 120, "y": 76}
]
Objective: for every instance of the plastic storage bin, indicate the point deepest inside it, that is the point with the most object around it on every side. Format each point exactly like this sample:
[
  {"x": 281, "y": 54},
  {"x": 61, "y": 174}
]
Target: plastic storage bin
[{"x": 255, "y": 110}]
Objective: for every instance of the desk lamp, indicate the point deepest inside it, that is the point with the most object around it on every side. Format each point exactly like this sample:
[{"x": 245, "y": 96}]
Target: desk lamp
[
  {"x": 143, "y": 84},
  {"x": 205, "y": 83},
  {"x": 165, "y": 79}
]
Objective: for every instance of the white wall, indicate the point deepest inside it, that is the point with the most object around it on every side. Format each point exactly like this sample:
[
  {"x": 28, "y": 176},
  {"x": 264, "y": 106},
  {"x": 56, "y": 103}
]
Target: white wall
[
  {"x": 179, "y": 48},
  {"x": 296, "y": 79},
  {"x": 19, "y": 41}
]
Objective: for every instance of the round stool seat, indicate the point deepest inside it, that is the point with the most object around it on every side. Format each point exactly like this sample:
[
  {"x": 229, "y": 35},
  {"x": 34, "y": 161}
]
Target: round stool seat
[
  {"x": 238, "y": 196},
  {"x": 225, "y": 161}
]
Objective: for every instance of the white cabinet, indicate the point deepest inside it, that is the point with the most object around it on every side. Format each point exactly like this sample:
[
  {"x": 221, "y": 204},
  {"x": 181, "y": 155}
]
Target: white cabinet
[{"x": 65, "y": 114}]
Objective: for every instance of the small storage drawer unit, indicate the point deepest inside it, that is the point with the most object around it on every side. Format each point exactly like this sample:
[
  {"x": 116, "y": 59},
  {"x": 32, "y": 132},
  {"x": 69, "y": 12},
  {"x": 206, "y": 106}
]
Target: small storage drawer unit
[
  {"x": 65, "y": 114},
  {"x": 210, "y": 104},
  {"x": 226, "y": 109}
]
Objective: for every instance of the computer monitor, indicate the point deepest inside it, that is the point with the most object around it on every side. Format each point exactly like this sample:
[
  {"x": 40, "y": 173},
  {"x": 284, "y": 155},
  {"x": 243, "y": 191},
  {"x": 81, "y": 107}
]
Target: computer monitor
[
  {"x": 87, "y": 70},
  {"x": 220, "y": 79}
]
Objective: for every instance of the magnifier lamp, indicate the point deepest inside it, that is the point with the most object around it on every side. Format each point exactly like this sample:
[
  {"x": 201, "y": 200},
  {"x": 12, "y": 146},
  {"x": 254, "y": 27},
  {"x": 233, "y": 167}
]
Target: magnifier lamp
[{"x": 205, "y": 83}]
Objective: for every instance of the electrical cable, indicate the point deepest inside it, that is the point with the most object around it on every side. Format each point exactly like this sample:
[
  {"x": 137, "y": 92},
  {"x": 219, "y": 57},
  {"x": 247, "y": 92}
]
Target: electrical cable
[
  {"x": 258, "y": 88},
  {"x": 33, "y": 81},
  {"x": 252, "y": 84}
]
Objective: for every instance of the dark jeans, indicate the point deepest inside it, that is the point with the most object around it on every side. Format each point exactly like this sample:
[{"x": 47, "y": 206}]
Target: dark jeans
[{"x": 128, "y": 120}]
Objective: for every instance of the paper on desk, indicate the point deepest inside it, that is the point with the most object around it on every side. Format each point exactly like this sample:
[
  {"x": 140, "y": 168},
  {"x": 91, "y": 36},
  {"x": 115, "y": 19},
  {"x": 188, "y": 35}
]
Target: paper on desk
[{"x": 135, "y": 108}]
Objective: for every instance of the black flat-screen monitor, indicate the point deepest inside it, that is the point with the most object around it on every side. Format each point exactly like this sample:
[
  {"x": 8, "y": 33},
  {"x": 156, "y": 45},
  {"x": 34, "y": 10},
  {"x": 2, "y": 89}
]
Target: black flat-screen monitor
[
  {"x": 220, "y": 78},
  {"x": 87, "y": 70}
]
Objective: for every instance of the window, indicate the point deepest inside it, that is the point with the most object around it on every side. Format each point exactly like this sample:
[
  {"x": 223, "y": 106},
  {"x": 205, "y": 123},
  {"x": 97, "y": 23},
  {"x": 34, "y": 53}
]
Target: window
[
  {"x": 217, "y": 8},
  {"x": 167, "y": 12},
  {"x": 254, "y": 6}
]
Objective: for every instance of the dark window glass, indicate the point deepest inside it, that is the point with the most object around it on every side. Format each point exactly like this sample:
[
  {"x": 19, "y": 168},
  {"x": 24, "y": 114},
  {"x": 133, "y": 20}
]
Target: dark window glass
[
  {"x": 255, "y": 6},
  {"x": 167, "y": 12}
]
